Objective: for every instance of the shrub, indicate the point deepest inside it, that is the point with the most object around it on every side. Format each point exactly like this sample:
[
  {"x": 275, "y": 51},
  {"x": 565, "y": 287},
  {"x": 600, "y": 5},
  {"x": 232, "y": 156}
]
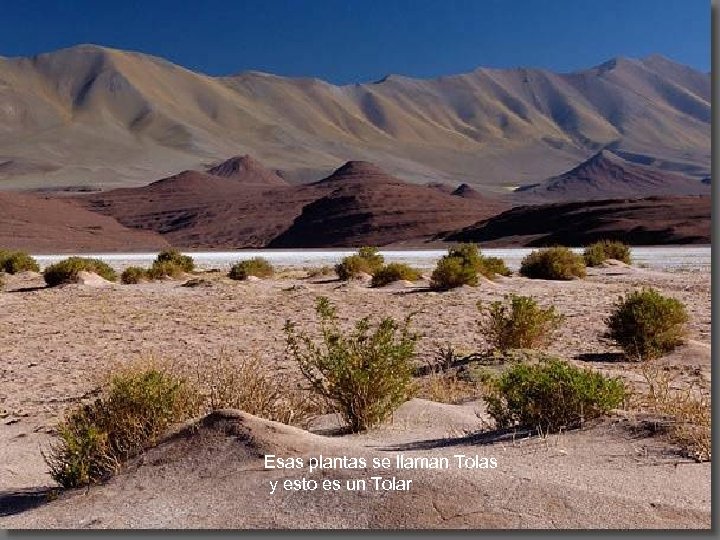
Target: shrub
[
  {"x": 647, "y": 324},
  {"x": 13, "y": 262},
  {"x": 253, "y": 387},
  {"x": 394, "y": 272},
  {"x": 256, "y": 266},
  {"x": 364, "y": 375},
  {"x": 133, "y": 275},
  {"x": 97, "y": 438},
  {"x": 66, "y": 271},
  {"x": 452, "y": 272},
  {"x": 185, "y": 262},
  {"x": 551, "y": 396},
  {"x": 597, "y": 253},
  {"x": 367, "y": 261},
  {"x": 492, "y": 266},
  {"x": 165, "y": 269},
  {"x": 521, "y": 325},
  {"x": 553, "y": 263}
]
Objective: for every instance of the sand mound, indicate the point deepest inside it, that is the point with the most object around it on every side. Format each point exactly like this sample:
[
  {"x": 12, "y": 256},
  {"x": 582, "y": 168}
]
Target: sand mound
[
  {"x": 211, "y": 474},
  {"x": 91, "y": 279}
]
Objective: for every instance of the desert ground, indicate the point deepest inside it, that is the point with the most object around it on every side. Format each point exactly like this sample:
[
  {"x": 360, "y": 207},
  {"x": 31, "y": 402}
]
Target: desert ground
[{"x": 56, "y": 344}]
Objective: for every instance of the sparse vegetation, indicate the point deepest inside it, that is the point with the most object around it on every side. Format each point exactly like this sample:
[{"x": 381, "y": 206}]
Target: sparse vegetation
[
  {"x": 552, "y": 395},
  {"x": 519, "y": 323},
  {"x": 367, "y": 261},
  {"x": 558, "y": 263},
  {"x": 684, "y": 415},
  {"x": 66, "y": 271},
  {"x": 394, "y": 272},
  {"x": 95, "y": 439},
  {"x": 647, "y": 324},
  {"x": 323, "y": 271},
  {"x": 133, "y": 275},
  {"x": 13, "y": 262},
  {"x": 256, "y": 266},
  {"x": 365, "y": 374},
  {"x": 598, "y": 252}
]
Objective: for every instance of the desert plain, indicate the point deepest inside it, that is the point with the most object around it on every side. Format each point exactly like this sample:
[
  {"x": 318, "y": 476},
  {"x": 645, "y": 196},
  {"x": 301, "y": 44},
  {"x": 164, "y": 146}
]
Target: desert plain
[{"x": 619, "y": 472}]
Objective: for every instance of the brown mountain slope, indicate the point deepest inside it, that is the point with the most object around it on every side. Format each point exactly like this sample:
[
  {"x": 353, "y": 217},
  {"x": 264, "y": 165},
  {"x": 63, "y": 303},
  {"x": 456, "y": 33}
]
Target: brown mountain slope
[
  {"x": 41, "y": 225},
  {"x": 651, "y": 221},
  {"x": 89, "y": 115},
  {"x": 247, "y": 170},
  {"x": 357, "y": 204},
  {"x": 606, "y": 175},
  {"x": 367, "y": 206}
]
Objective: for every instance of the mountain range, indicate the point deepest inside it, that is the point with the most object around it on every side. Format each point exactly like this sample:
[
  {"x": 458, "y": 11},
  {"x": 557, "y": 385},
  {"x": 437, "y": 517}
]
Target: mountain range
[{"x": 90, "y": 117}]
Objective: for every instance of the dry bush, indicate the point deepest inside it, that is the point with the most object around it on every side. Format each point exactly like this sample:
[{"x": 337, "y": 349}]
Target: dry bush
[
  {"x": 687, "y": 410},
  {"x": 250, "y": 386},
  {"x": 135, "y": 407},
  {"x": 447, "y": 387},
  {"x": 519, "y": 323}
]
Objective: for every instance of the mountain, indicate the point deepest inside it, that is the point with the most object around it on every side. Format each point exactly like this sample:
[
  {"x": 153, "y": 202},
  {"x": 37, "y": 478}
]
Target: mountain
[
  {"x": 247, "y": 170},
  {"x": 93, "y": 116},
  {"x": 368, "y": 207},
  {"x": 46, "y": 225},
  {"x": 358, "y": 204},
  {"x": 650, "y": 221},
  {"x": 606, "y": 175}
]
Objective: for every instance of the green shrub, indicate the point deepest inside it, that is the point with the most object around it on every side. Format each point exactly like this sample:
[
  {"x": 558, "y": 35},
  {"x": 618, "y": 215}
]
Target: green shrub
[
  {"x": 66, "y": 271},
  {"x": 366, "y": 261},
  {"x": 520, "y": 325},
  {"x": 165, "y": 269},
  {"x": 256, "y": 266},
  {"x": 364, "y": 375},
  {"x": 553, "y": 263},
  {"x": 173, "y": 256},
  {"x": 599, "y": 252},
  {"x": 133, "y": 275},
  {"x": 468, "y": 252},
  {"x": 14, "y": 262},
  {"x": 452, "y": 272},
  {"x": 647, "y": 324},
  {"x": 492, "y": 266},
  {"x": 551, "y": 395},
  {"x": 462, "y": 265},
  {"x": 394, "y": 272},
  {"x": 97, "y": 438}
]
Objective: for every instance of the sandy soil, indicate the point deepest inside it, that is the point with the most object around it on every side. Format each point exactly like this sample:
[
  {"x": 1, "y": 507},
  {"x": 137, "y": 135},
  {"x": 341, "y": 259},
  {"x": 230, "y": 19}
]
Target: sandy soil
[{"x": 55, "y": 343}]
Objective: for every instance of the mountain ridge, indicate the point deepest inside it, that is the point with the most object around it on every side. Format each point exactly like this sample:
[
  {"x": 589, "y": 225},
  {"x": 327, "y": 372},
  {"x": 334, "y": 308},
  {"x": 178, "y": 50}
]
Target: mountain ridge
[{"x": 105, "y": 117}]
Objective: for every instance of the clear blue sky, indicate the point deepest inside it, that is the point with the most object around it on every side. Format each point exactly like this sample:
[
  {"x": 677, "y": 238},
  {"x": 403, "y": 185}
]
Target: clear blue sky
[{"x": 347, "y": 41}]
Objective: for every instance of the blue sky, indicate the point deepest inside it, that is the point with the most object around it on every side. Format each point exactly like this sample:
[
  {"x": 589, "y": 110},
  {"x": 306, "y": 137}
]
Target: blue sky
[{"x": 346, "y": 41}]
